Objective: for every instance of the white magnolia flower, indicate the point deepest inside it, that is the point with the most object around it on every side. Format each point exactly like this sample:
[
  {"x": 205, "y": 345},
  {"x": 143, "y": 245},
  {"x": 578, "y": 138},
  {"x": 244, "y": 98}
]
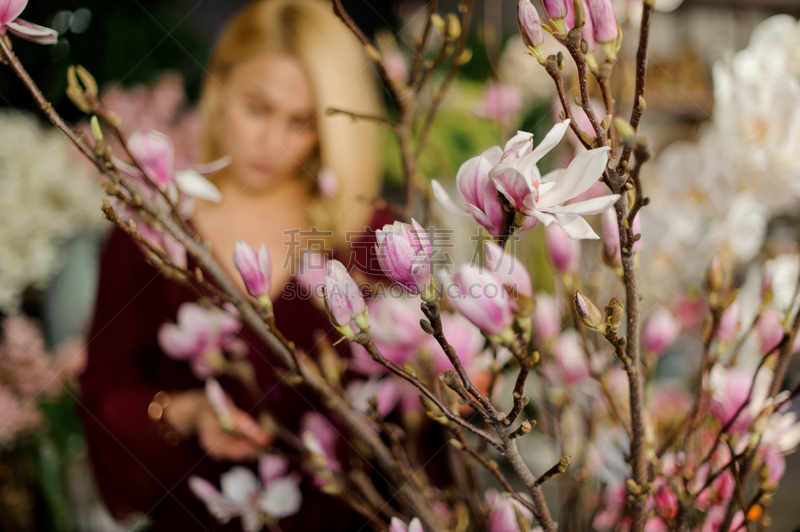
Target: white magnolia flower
[{"x": 274, "y": 497}]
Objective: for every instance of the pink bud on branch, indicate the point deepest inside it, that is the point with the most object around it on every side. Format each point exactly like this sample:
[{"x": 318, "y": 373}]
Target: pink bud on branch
[
  {"x": 404, "y": 252},
  {"x": 343, "y": 300},
  {"x": 530, "y": 27},
  {"x": 256, "y": 271}
]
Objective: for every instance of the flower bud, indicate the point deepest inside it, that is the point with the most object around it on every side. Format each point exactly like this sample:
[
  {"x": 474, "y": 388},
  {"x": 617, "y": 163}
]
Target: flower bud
[
  {"x": 255, "y": 269},
  {"x": 530, "y": 27},
  {"x": 718, "y": 275},
  {"x": 660, "y": 330},
  {"x": 588, "y": 312},
  {"x": 343, "y": 299},
  {"x": 557, "y": 11},
  {"x": 614, "y": 312},
  {"x": 605, "y": 25},
  {"x": 571, "y": 357},
  {"x": 564, "y": 251},
  {"x": 404, "y": 252}
]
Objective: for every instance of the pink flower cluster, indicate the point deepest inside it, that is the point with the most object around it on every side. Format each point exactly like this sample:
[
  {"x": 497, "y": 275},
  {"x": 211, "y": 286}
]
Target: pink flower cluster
[{"x": 29, "y": 373}]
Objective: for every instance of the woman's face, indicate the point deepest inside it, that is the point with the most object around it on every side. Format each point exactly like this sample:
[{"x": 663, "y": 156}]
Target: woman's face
[{"x": 267, "y": 121}]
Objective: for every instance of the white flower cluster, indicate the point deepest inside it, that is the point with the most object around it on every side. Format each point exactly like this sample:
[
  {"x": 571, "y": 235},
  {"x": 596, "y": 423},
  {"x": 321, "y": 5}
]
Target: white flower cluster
[
  {"x": 46, "y": 195},
  {"x": 719, "y": 192}
]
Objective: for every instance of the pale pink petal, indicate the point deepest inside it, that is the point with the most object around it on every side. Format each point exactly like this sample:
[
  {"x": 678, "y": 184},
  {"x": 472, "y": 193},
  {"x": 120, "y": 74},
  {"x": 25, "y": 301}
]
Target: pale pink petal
[
  {"x": 33, "y": 32},
  {"x": 193, "y": 184},
  {"x": 549, "y": 141},
  {"x": 592, "y": 206},
  {"x": 576, "y": 227},
  {"x": 444, "y": 198},
  {"x": 584, "y": 170},
  {"x": 10, "y": 10}
]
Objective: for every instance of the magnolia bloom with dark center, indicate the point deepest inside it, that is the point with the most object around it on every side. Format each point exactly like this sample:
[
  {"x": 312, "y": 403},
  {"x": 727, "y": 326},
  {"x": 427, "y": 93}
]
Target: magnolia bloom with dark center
[
  {"x": 10, "y": 11},
  {"x": 480, "y": 296},
  {"x": 343, "y": 299},
  {"x": 404, "y": 252}
]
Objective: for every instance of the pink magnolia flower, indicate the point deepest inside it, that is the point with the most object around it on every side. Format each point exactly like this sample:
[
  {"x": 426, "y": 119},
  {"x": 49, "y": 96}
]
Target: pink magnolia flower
[
  {"x": 276, "y": 495},
  {"x": 343, "y": 299},
  {"x": 404, "y": 253},
  {"x": 769, "y": 330},
  {"x": 10, "y": 11},
  {"x": 730, "y": 390},
  {"x": 255, "y": 269},
  {"x": 463, "y": 336},
  {"x": 499, "y": 102},
  {"x": 571, "y": 357},
  {"x": 503, "y": 513},
  {"x": 396, "y": 332},
  {"x": 319, "y": 438},
  {"x": 396, "y": 525},
  {"x": 564, "y": 251},
  {"x": 155, "y": 154},
  {"x": 660, "y": 330},
  {"x": 478, "y": 192},
  {"x": 546, "y": 318},
  {"x": 479, "y": 295},
  {"x": 506, "y": 267},
  {"x": 200, "y": 336}
]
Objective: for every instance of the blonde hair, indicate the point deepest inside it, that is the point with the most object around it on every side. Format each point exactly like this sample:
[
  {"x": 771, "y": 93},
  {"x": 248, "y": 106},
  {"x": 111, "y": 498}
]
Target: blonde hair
[{"x": 341, "y": 77}]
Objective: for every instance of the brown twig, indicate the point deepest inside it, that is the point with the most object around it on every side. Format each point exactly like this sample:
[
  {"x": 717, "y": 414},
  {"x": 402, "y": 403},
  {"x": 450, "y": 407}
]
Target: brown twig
[
  {"x": 641, "y": 75},
  {"x": 381, "y": 121}
]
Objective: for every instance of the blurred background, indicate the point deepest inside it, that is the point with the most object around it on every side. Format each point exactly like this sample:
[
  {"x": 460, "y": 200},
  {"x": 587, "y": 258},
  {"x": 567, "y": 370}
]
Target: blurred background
[{"x": 148, "y": 57}]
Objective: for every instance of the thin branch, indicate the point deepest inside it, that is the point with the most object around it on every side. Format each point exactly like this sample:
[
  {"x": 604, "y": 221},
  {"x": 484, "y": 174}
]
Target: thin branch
[
  {"x": 560, "y": 467},
  {"x": 381, "y": 121}
]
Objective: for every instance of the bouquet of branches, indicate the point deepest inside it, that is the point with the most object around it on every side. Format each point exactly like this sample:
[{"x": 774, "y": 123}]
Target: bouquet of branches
[{"x": 709, "y": 458}]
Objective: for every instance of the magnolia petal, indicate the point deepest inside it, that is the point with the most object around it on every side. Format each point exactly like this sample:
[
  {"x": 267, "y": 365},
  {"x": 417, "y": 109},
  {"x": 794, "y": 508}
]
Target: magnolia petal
[
  {"x": 520, "y": 139},
  {"x": 270, "y": 467},
  {"x": 576, "y": 227},
  {"x": 10, "y": 10},
  {"x": 472, "y": 175},
  {"x": 281, "y": 499},
  {"x": 193, "y": 184},
  {"x": 444, "y": 199},
  {"x": 493, "y": 154},
  {"x": 214, "y": 166},
  {"x": 239, "y": 484},
  {"x": 545, "y": 218},
  {"x": 584, "y": 170},
  {"x": 592, "y": 206},
  {"x": 33, "y": 32},
  {"x": 154, "y": 154},
  {"x": 415, "y": 526},
  {"x": 549, "y": 141},
  {"x": 513, "y": 185}
]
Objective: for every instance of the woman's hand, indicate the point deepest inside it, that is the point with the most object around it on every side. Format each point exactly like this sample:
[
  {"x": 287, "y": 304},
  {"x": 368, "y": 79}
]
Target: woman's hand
[{"x": 190, "y": 414}]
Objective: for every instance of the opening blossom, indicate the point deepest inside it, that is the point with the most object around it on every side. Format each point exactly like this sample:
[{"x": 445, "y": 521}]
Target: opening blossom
[
  {"x": 10, "y": 11},
  {"x": 155, "y": 154},
  {"x": 530, "y": 27},
  {"x": 513, "y": 173},
  {"x": 404, "y": 253},
  {"x": 200, "y": 336},
  {"x": 274, "y": 497}
]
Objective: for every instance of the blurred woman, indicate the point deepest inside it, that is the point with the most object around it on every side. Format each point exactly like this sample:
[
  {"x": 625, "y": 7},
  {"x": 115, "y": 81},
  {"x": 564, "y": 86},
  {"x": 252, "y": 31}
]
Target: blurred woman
[{"x": 275, "y": 69}]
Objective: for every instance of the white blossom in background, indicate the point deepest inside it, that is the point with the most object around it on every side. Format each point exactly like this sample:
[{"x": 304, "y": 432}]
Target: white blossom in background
[{"x": 45, "y": 197}]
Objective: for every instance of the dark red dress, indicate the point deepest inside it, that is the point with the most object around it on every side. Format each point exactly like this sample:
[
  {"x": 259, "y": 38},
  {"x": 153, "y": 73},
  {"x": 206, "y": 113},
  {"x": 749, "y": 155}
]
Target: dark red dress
[{"x": 135, "y": 468}]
